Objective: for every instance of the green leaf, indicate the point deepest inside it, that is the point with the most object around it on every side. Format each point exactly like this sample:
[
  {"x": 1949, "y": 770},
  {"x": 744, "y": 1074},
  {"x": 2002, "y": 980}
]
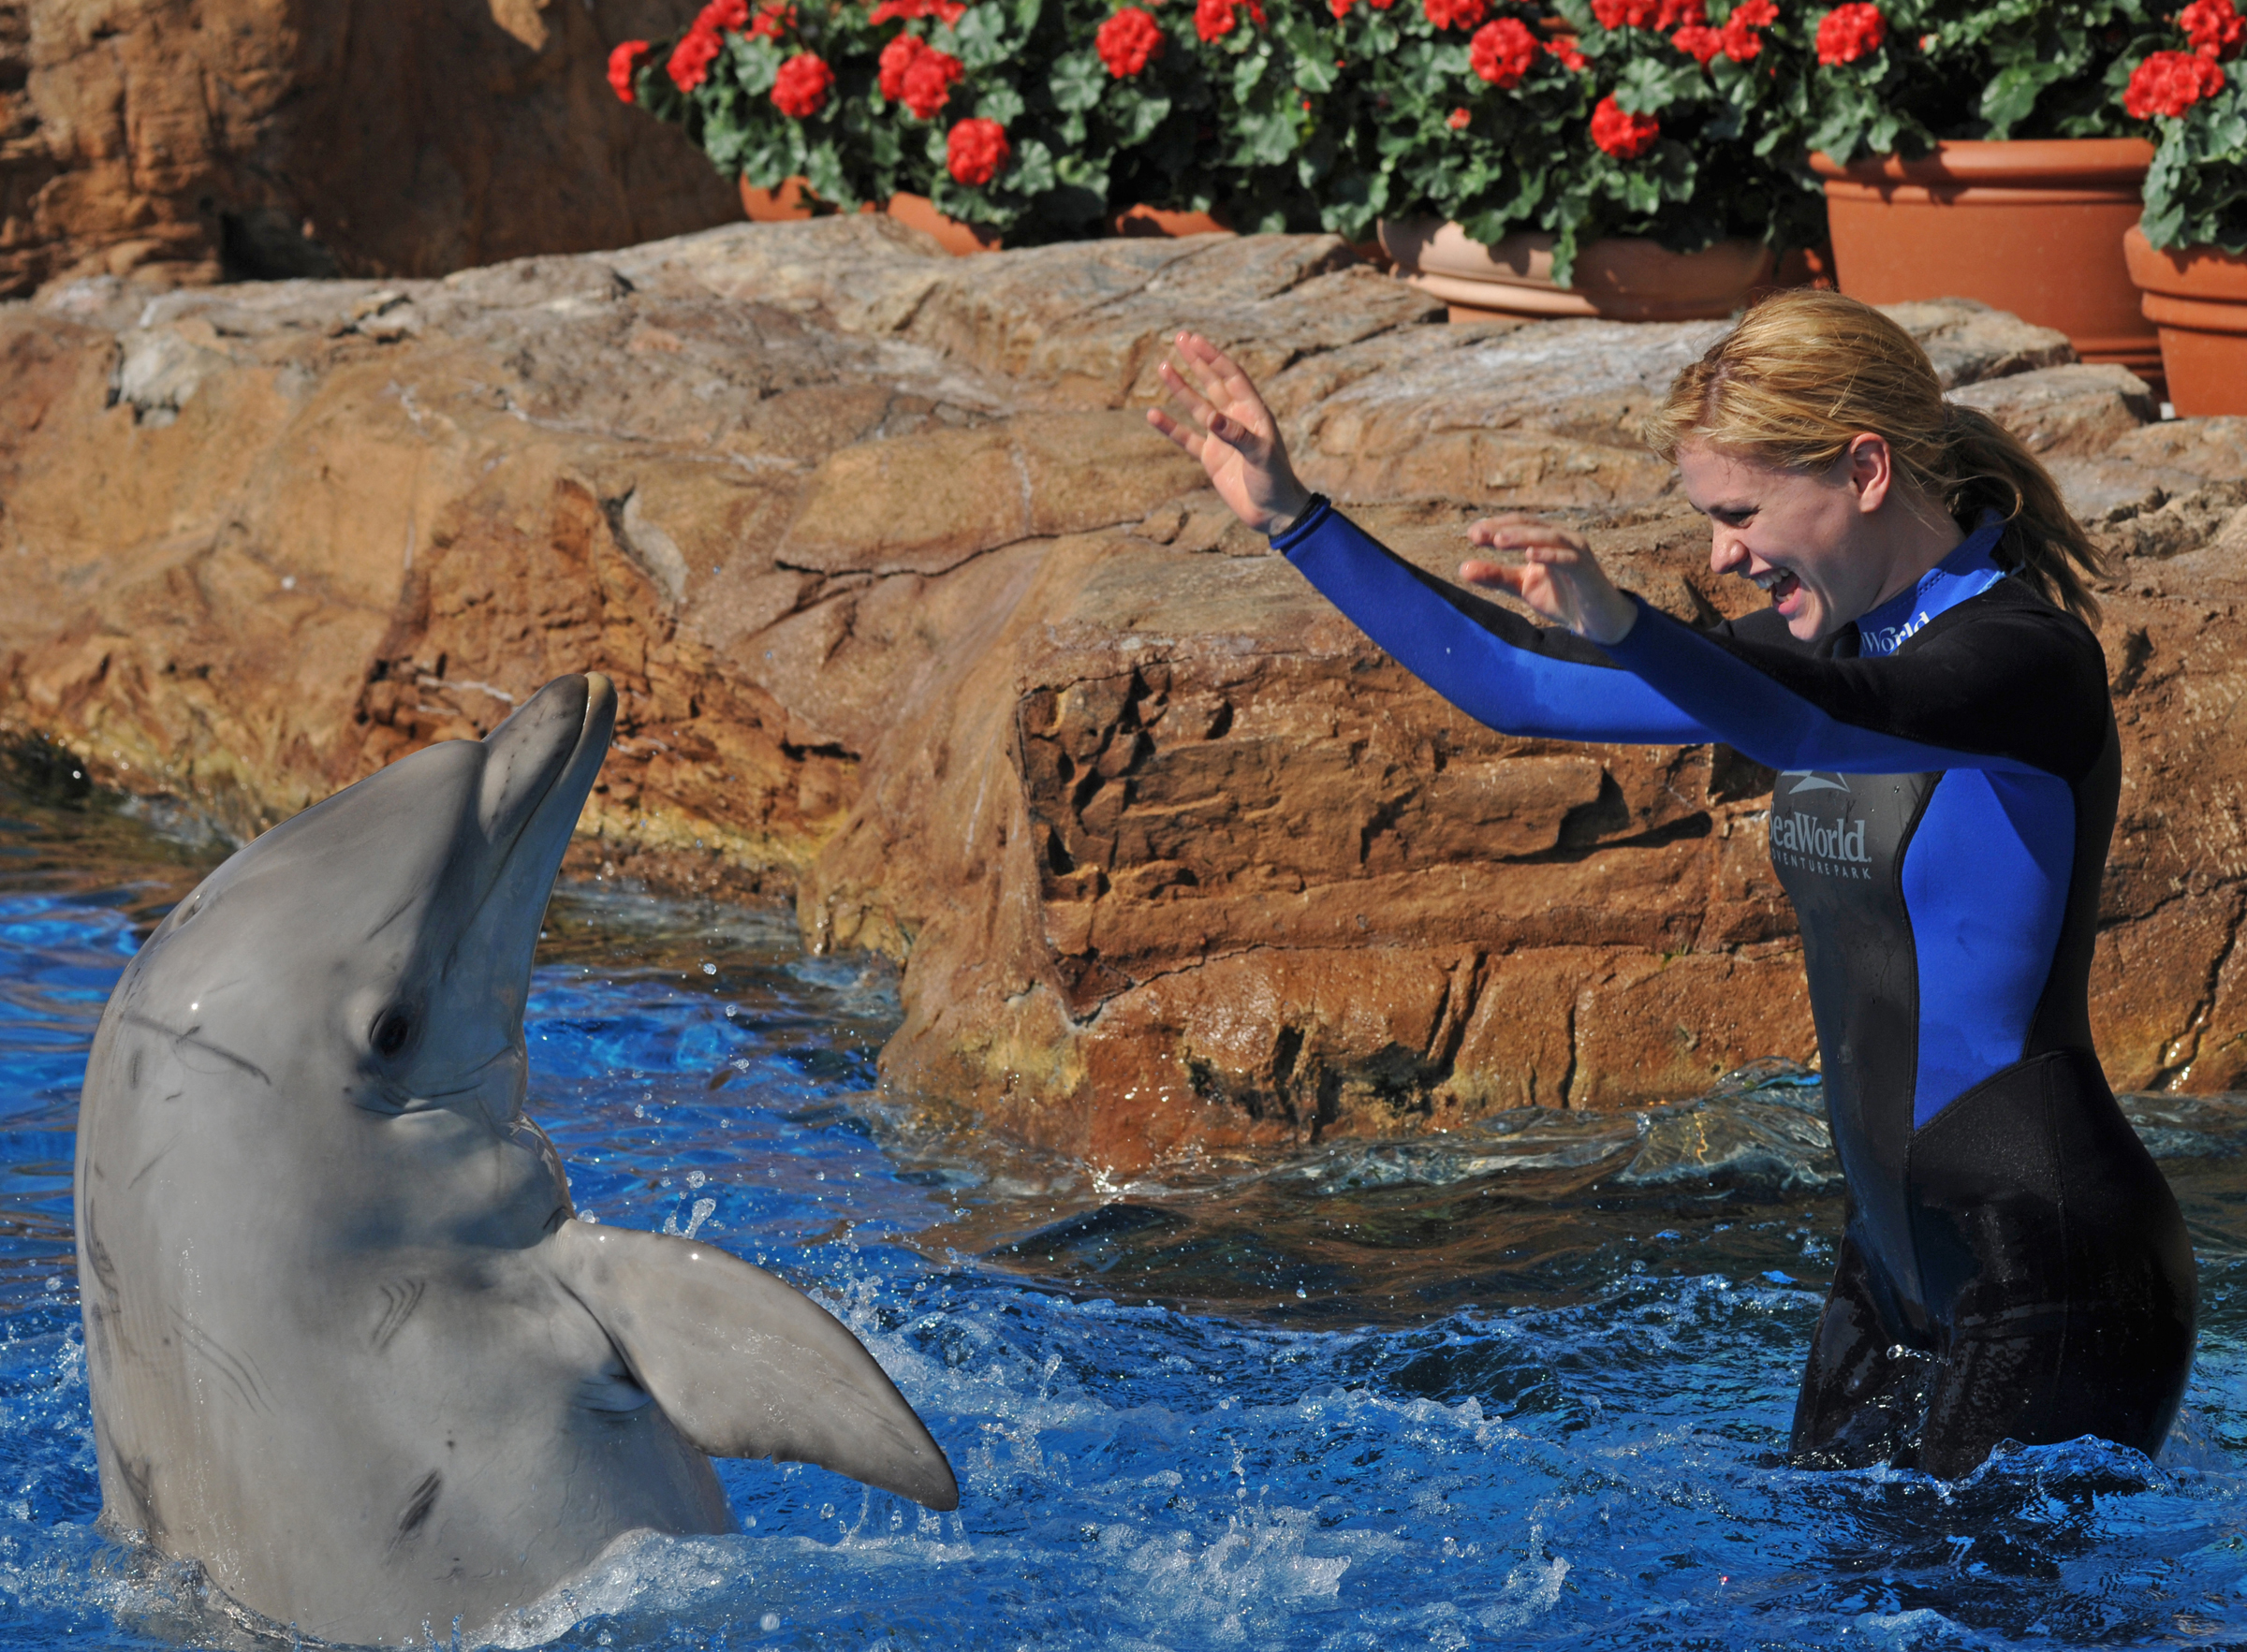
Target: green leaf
[
  {"x": 755, "y": 63},
  {"x": 2011, "y": 96},
  {"x": 1268, "y": 138},
  {"x": 1078, "y": 80},
  {"x": 1150, "y": 113},
  {"x": 823, "y": 169},
  {"x": 981, "y": 38}
]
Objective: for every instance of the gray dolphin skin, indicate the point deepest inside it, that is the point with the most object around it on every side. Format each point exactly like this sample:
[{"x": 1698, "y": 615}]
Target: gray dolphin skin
[{"x": 349, "y": 1347}]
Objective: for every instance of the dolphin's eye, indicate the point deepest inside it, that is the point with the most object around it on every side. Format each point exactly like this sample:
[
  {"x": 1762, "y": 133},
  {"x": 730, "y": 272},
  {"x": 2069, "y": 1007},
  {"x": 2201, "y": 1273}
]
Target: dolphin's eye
[{"x": 393, "y": 1032}]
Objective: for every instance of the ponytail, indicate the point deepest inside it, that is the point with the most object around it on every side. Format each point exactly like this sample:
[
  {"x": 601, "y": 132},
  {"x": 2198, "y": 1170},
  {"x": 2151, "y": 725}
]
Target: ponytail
[
  {"x": 1806, "y": 372},
  {"x": 2043, "y": 544}
]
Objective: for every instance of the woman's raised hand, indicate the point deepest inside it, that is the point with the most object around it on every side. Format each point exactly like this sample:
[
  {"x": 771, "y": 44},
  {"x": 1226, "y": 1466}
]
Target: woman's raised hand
[
  {"x": 1222, "y": 422},
  {"x": 1557, "y": 576}
]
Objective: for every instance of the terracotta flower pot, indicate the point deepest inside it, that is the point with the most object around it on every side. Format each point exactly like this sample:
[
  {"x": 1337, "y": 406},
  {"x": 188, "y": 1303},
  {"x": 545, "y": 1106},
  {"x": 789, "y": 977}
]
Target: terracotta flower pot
[
  {"x": 794, "y": 200},
  {"x": 1143, "y": 220},
  {"x": 791, "y": 201},
  {"x": 2197, "y": 297},
  {"x": 1622, "y": 279},
  {"x": 917, "y": 212},
  {"x": 2031, "y": 227}
]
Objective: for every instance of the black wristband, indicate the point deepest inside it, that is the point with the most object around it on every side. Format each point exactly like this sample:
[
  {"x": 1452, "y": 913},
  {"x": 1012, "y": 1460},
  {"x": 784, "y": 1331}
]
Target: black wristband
[{"x": 1319, "y": 502}]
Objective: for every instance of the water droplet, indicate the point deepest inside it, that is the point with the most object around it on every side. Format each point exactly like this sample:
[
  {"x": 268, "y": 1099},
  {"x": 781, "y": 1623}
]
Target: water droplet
[{"x": 769, "y": 1622}]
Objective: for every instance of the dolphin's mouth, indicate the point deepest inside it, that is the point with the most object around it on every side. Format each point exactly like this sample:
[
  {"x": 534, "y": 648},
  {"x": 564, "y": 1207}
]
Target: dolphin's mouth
[
  {"x": 542, "y": 762},
  {"x": 538, "y": 767}
]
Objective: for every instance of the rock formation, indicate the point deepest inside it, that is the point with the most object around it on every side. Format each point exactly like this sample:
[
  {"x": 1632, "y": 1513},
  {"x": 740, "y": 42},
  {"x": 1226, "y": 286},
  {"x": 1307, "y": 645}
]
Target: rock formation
[
  {"x": 916, "y": 622},
  {"x": 183, "y": 140}
]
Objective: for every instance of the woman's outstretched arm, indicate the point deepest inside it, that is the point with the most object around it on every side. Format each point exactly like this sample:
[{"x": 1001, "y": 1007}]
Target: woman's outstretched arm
[{"x": 1491, "y": 663}]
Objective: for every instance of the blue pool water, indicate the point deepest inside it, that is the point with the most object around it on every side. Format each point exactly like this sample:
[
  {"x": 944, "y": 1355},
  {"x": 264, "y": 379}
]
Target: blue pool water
[{"x": 1515, "y": 1387}]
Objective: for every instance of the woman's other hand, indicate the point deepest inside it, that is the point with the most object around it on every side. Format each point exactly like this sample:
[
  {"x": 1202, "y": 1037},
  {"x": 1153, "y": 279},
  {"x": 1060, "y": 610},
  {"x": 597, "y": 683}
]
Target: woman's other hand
[
  {"x": 1222, "y": 422},
  {"x": 1557, "y": 576}
]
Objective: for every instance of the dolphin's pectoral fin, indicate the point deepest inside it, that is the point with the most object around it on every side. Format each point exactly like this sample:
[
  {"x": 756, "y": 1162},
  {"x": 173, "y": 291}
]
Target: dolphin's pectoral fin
[{"x": 746, "y": 1366}]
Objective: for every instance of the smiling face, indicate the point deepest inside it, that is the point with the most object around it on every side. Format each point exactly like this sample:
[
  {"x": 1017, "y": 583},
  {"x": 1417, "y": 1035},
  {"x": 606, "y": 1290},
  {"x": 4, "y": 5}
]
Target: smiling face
[{"x": 1816, "y": 542}]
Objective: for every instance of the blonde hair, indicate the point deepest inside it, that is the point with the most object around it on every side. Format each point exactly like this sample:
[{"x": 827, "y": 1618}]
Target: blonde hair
[{"x": 1805, "y": 372}]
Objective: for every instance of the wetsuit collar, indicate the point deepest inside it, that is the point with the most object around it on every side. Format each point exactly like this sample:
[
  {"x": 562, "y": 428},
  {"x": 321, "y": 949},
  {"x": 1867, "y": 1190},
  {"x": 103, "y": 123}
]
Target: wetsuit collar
[{"x": 1969, "y": 570}]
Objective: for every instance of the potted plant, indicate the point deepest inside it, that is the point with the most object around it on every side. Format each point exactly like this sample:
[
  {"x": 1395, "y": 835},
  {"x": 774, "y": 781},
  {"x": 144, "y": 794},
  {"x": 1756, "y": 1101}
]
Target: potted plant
[
  {"x": 2186, "y": 253},
  {"x": 1018, "y": 119},
  {"x": 1619, "y": 160},
  {"x": 1983, "y": 152}
]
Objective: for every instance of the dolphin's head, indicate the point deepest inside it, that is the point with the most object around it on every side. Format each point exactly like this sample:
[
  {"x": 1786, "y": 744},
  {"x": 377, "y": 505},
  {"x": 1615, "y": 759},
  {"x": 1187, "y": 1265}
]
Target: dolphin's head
[{"x": 367, "y": 962}]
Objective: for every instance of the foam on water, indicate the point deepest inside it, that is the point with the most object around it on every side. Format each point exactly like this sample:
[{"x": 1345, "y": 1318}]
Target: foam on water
[{"x": 1519, "y": 1385}]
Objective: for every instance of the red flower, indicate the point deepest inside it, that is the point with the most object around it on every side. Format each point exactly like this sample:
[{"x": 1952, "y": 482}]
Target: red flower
[
  {"x": 1622, "y": 135},
  {"x": 772, "y": 17},
  {"x": 1341, "y": 8},
  {"x": 723, "y": 14},
  {"x": 1626, "y": 14},
  {"x": 2170, "y": 82},
  {"x": 1455, "y": 14},
  {"x": 620, "y": 67},
  {"x": 1215, "y": 19},
  {"x": 950, "y": 11},
  {"x": 1457, "y": 119},
  {"x": 1699, "y": 42},
  {"x": 1563, "y": 48},
  {"x": 977, "y": 151},
  {"x": 2213, "y": 27},
  {"x": 1502, "y": 53},
  {"x": 799, "y": 90},
  {"x": 929, "y": 80},
  {"x": 691, "y": 58},
  {"x": 1128, "y": 41},
  {"x": 1738, "y": 38},
  {"x": 1850, "y": 31},
  {"x": 1679, "y": 13},
  {"x": 897, "y": 57}
]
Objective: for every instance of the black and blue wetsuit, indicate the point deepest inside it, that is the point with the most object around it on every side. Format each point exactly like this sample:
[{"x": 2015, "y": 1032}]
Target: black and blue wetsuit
[{"x": 1949, "y": 772}]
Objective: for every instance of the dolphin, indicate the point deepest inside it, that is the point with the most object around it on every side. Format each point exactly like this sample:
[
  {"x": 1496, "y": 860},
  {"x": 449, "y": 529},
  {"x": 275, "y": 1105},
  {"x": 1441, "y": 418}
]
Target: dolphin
[{"x": 348, "y": 1345}]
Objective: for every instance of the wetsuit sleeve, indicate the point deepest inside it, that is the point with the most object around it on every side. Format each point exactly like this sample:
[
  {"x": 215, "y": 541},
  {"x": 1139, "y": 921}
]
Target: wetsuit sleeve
[
  {"x": 1494, "y": 666},
  {"x": 2004, "y": 682}
]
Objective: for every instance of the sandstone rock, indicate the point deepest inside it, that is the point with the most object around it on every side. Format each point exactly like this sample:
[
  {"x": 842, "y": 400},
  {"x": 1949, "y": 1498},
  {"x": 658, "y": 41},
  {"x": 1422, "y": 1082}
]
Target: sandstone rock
[
  {"x": 181, "y": 140},
  {"x": 2078, "y": 409},
  {"x": 1969, "y": 341},
  {"x": 914, "y": 621},
  {"x": 1537, "y": 415}
]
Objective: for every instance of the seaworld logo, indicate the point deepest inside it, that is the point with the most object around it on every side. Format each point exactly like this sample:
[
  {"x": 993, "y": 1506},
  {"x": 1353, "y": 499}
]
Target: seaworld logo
[
  {"x": 1887, "y": 640},
  {"x": 1834, "y": 847}
]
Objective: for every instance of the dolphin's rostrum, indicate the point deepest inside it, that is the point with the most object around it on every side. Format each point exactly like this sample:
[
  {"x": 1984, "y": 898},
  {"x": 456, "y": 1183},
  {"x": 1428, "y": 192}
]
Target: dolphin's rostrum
[{"x": 349, "y": 1346}]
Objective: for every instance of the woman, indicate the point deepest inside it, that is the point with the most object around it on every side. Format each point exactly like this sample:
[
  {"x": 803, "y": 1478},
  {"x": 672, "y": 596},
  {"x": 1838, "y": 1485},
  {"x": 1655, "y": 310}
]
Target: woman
[{"x": 1925, "y": 680}]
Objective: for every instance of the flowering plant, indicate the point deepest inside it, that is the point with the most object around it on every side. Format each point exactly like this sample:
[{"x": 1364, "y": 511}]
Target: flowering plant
[
  {"x": 1883, "y": 77},
  {"x": 1040, "y": 117},
  {"x": 1024, "y": 115},
  {"x": 2197, "y": 190},
  {"x": 1621, "y": 117}
]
